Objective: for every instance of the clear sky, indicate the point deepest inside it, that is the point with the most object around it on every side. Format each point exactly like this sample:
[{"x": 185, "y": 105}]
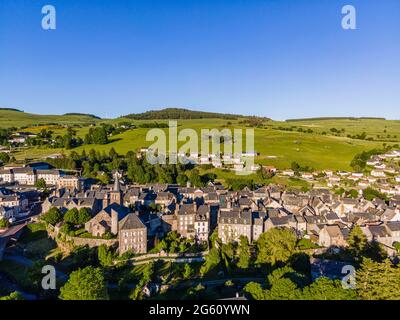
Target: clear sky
[{"x": 276, "y": 58}]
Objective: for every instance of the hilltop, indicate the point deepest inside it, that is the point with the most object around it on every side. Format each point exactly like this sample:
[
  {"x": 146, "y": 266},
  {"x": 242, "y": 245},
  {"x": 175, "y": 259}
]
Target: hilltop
[
  {"x": 16, "y": 118},
  {"x": 180, "y": 113},
  {"x": 82, "y": 114},
  {"x": 334, "y": 118}
]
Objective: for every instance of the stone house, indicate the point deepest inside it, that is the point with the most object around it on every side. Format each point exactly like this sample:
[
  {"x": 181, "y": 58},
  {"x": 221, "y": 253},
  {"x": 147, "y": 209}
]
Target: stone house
[
  {"x": 202, "y": 223},
  {"x": 132, "y": 234},
  {"x": 106, "y": 220},
  {"x": 332, "y": 235},
  {"x": 186, "y": 218},
  {"x": 233, "y": 224}
]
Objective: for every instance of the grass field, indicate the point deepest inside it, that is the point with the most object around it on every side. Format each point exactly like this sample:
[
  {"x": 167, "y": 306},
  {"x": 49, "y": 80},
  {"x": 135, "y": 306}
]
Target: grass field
[
  {"x": 9, "y": 118},
  {"x": 320, "y": 149}
]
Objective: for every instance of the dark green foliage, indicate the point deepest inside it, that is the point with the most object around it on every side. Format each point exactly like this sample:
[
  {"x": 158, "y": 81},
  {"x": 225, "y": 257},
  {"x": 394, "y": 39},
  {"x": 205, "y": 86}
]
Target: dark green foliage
[
  {"x": 177, "y": 113},
  {"x": 53, "y": 216},
  {"x": 85, "y": 284}
]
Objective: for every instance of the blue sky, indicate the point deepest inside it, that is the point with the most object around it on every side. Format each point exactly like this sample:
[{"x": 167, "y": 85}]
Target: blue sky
[{"x": 276, "y": 58}]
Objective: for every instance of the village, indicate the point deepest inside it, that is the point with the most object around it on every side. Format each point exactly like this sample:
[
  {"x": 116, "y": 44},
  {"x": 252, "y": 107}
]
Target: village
[{"x": 134, "y": 215}]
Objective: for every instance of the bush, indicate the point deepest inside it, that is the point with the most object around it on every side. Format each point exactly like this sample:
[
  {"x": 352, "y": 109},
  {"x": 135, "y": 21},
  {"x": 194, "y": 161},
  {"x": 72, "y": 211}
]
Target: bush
[
  {"x": 4, "y": 223},
  {"x": 53, "y": 216}
]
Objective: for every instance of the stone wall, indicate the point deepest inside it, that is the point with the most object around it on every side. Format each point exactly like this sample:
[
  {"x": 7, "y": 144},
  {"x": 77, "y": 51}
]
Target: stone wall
[{"x": 77, "y": 241}]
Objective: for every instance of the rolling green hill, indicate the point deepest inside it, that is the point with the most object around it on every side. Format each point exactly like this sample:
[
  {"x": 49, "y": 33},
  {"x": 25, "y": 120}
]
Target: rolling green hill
[
  {"x": 328, "y": 143},
  {"x": 16, "y": 118},
  {"x": 179, "y": 113}
]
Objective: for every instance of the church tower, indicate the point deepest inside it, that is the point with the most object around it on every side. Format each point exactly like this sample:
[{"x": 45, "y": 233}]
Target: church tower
[{"x": 116, "y": 193}]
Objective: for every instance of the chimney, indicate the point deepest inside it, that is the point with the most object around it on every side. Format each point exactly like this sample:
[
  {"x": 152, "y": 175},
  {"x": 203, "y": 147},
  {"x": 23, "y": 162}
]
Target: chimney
[
  {"x": 106, "y": 201},
  {"x": 114, "y": 222}
]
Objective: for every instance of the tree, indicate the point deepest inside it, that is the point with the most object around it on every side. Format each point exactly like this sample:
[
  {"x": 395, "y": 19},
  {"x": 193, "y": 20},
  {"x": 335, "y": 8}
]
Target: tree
[
  {"x": 4, "y": 223},
  {"x": 378, "y": 280},
  {"x": 326, "y": 289},
  {"x": 53, "y": 216},
  {"x": 4, "y": 157},
  {"x": 255, "y": 291},
  {"x": 188, "y": 271},
  {"x": 227, "y": 253},
  {"x": 295, "y": 167},
  {"x": 72, "y": 216},
  {"x": 283, "y": 289},
  {"x": 13, "y": 296},
  {"x": 182, "y": 179},
  {"x": 275, "y": 245},
  {"x": 357, "y": 242},
  {"x": 85, "y": 284},
  {"x": 212, "y": 261},
  {"x": 105, "y": 255},
  {"x": 353, "y": 194},
  {"x": 40, "y": 184},
  {"x": 195, "y": 178},
  {"x": 84, "y": 215},
  {"x": 244, "y": 253}
]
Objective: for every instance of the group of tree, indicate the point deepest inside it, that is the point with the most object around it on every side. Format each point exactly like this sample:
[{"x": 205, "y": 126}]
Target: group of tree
[
  {"x": 96, "y": 135},
  {"x": 4, "y": 158},
  {"x": 297, "y": 168},
  {"x": 85, "y": 284},
  {"x": 99, "y": 166},
  {"x": 359, "y": 161},
  {"x": 178, "y": 113},
  {"x": 53, "y": 216},
  {"x": 13, "y": 296},
  {"x": 287, "y": 284},
  {"x": 77, "y": 217},
  {"x": 173, "y": 243},
  {"x": 4, "y": 223}
]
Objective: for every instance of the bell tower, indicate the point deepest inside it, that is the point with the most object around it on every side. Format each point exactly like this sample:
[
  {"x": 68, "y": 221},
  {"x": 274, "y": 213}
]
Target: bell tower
[{"x": 116, "y": 193}]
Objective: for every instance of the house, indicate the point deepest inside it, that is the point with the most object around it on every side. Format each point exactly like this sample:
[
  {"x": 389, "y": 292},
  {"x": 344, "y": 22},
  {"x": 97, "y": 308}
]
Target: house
[
  {"x": 394, "y": 231},
  {"x": 233, "y": 224},
  {"x": 391, "y": 214},
  {"x": 164, "y": 199},
  {"x": 186, "y": 220},
  {"x": 307, "y": 176},
  {"x": 7, "y": 175},
  {"x": 21, "y": 137},
  {"x": 6, "y": 213},
  {"x": 107, "y": 220},
  {"x": 378, "y": 173},
  {"x": 132, "y": 234},
  {"x": 278, "y": 222},
  {"x": 289, "y": 173},
  {"x": 378, "y": 233},
  {"x": 70, "y": 183},
  {"x": 259, "y": 219},
  {"x": 332, "y": 235},
  {"x": 65, "y": 204},
  {"x": 202, "y": 223},
  {"x": 49, "y": 176}
]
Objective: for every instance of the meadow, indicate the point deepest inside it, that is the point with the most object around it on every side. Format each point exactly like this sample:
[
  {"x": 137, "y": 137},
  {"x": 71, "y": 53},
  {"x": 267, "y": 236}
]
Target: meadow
[{"x": 321, "y": 144}]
